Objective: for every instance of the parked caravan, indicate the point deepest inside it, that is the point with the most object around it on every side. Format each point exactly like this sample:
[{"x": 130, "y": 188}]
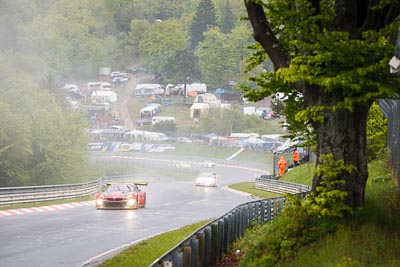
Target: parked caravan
[
  {"x": 148, "y": 112},
  {"x": 157, "y": 119},
  {"x": 145, "y": 136},
  {"x": 148, "y": 89},
  {"x": 103, "y": 96}
]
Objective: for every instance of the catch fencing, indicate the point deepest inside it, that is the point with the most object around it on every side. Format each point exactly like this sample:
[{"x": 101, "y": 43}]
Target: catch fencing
[{"x": 391, "y": 110}]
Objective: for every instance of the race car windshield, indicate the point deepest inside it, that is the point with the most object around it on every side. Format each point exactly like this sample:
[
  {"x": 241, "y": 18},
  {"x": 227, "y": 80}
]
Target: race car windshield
[{"x": 119, "y": 188}]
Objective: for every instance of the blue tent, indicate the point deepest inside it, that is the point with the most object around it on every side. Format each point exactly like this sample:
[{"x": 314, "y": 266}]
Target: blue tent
[{"x": 219, "y": 91}]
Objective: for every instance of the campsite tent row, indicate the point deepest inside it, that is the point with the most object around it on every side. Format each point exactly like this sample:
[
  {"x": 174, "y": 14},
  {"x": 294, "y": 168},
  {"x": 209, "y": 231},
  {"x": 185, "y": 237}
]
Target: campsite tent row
[{"x": 147, "y": 89}]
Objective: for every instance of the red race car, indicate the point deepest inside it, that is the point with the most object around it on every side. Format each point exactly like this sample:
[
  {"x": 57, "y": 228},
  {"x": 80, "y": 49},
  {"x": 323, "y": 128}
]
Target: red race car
[{"x": 121, "y": 196}]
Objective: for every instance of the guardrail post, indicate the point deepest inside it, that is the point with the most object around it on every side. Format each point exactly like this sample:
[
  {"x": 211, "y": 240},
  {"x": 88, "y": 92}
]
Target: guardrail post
[
  {"x": 201, "y": 254},
  {"x": 245, "y": 218},
  {"x": 225, "y": 241},
  {"x": 194, "y": 245},
  {"x": 207, "y": 246},
  {"x": 187, "y": 256},
  {"x": 262, "y": 212},
  {"x": 269, "y": 210},
  {"x": 220, "y": 238},
  {"x": 177, "y": 259},
  {"x": 214, "y": 243},
  {"x": 230, "y": 229},
  {"x": 256, "y": 212}
]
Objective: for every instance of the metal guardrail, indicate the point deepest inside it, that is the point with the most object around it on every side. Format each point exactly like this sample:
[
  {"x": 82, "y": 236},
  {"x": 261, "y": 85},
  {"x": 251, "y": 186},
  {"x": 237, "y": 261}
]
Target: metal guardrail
[
  {"x": 29, "y": 194},
  {"x": 391, "y": 110},
  {"x": 268, "y": 183},
  {"x": 209, "y": 243}
]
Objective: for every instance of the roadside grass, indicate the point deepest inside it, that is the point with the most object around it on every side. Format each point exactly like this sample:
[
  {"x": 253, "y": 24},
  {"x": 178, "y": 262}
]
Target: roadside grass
[
  {"x": 147, "y": 251},
  {"x": 302, "y": 174},
  {"x": 370, "y": 238},
  {"x": 248, "y": 187}
]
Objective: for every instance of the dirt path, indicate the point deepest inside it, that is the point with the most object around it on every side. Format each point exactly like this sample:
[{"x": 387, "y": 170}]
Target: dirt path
[{"x": 123, "y": 109}]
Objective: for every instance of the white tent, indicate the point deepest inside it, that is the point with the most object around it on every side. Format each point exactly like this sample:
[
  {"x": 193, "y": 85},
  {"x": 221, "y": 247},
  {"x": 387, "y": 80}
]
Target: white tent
[
  {"x": 198, "y": 110},
  {"x": 104, "y": 96}
]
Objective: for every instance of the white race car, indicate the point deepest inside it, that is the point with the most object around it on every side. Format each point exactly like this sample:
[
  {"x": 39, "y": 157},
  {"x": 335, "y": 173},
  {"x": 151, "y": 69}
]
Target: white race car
[
  {"x": 208, "y": 164},
  {"x": 207, "y": 179}
]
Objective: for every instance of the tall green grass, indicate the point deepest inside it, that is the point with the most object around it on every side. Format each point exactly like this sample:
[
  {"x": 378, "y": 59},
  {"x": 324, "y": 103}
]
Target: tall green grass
[{"x": 369, "y": 238}]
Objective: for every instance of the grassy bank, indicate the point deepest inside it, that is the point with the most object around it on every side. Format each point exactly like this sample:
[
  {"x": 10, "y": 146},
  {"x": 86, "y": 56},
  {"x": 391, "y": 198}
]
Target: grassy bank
[{"x": 369, "y": 238}]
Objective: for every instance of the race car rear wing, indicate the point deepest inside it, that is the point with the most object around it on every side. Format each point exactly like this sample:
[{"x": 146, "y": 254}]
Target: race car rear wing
[{"x": 136, "y": 183}]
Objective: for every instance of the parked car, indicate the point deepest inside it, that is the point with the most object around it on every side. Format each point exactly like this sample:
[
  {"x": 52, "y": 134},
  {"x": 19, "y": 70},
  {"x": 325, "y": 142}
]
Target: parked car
[
  {"x": 208, "y": 164},
  {"x": 121, "y": 196},
  {"x": 207, "y": 179},
  {"x": 120, "y": 79},
  {"x": 184, "y": 140}
]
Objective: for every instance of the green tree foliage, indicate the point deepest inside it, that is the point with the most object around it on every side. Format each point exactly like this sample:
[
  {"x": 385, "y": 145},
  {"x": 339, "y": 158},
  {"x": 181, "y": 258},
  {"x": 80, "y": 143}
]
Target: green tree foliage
[
  {"x": 227, "y": 18},
  {"x": 40, "y": 144},
  {"x": 221, "y": 56},
  {"x": 376, "y": 133},
  {"x": 331, "y": 60},
  {"x": 15, "y": 147},
  {"x": 204, "y": 19},
  {"x": 137, "y": 28},
  {"x": 160, "y": 44}
]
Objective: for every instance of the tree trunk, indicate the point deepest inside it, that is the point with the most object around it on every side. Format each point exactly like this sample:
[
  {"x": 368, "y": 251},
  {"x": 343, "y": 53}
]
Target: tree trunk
[{"x": 343, "y": 134}]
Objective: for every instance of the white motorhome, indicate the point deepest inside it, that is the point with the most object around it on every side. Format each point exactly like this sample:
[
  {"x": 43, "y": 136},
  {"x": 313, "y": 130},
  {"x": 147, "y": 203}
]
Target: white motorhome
[
  {"x": 157, "y": 119},
  {"x": 148, "y": 111},
  {"x": 147, "y": 89},
  {"x": 145, "y": 136},
  {"x": 103, "y": 96}
]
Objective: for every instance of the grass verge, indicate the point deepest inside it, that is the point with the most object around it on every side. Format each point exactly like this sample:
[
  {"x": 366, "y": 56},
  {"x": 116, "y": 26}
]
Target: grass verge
[
  {"x": 248, "y": 187},
  {"x": 147, "y": 251}
]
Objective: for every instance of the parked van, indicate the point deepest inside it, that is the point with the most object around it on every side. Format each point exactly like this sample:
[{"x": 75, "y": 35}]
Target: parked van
[
  {"x": 157, "y": 119},
  {"x": 148, "y": 112}
]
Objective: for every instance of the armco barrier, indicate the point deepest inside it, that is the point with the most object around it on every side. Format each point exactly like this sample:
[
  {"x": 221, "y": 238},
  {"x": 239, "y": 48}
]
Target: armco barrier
[
  {"x": 209, "y": 243},
  {"x": 267, "y": 183},
  {"x": 28, "y": 194}
]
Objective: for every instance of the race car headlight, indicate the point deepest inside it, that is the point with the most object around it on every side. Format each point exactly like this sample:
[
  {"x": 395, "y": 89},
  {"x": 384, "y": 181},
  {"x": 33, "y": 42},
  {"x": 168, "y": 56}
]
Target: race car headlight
[
  {"x": 131, "y": 202},
  {"x": 99, "y": 202}
]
